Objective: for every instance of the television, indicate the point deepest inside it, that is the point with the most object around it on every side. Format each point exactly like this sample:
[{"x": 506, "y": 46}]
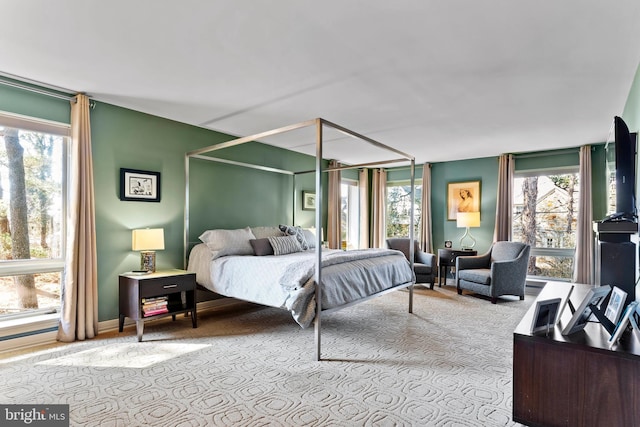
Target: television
[{"x": 621, "y": 165}]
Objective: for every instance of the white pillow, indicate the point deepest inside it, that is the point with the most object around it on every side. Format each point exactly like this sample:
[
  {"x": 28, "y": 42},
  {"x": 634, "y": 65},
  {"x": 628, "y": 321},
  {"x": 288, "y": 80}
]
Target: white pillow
[
  {"x": 310, "y": 237},
  {"x": 228, "y": 242}
]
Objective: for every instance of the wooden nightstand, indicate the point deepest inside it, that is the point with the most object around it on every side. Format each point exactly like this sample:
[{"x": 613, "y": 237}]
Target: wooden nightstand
[{"x": 153, "y": 295}]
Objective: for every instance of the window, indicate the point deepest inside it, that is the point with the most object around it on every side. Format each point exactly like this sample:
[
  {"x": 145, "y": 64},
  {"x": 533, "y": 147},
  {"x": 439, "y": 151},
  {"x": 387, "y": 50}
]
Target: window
[
  {"x": 32, "y": 212},
  {"x": 350, "y": 214},
  {"x": 545, "y": 217},
  {"x": 398, "y": 209}
]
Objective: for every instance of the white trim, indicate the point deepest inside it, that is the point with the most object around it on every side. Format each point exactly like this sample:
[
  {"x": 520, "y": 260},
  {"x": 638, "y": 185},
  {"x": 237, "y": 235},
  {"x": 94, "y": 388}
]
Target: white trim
[
  {"x": 34, "y": 124},
  {"x": 51, "y": 320}
]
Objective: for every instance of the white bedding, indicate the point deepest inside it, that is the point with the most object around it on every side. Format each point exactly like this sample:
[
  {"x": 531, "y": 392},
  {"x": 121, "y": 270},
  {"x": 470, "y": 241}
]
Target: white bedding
[{"x": 286, "y": 281}]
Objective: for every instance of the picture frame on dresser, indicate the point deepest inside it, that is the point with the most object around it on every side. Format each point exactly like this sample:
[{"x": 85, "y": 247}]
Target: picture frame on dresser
[
  {"x": 616, "y": 304},
  {"x": 545, "y": 315},
  {"x": 581, "y": 316}
]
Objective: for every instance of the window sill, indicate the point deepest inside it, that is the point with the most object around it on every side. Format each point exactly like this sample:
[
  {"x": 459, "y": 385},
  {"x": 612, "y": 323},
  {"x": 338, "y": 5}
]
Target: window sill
[{"x": 23, "y": 326}]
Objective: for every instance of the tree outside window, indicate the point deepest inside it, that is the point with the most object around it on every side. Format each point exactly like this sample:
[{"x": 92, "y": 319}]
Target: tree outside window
[
  {"x": 544, "y": 216},
  {"x": 31, "y": 219},
  {"x": 399, "y": 207}
]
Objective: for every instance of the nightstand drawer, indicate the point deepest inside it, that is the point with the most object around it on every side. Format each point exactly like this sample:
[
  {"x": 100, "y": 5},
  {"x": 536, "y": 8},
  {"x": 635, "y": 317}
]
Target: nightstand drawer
[{"x": 166, "y": 285}]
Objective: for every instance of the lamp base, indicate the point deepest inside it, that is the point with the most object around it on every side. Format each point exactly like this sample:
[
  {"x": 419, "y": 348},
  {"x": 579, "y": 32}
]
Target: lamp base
[
  {"x": 148, "y": 261},
  {"x": 467, "y": 235}
]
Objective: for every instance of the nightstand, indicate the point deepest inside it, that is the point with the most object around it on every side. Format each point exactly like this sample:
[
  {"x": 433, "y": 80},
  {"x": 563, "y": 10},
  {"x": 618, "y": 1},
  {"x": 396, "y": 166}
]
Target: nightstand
[
  {"x": 447, "y": 259},
  {"x": 154, "y": 295}
]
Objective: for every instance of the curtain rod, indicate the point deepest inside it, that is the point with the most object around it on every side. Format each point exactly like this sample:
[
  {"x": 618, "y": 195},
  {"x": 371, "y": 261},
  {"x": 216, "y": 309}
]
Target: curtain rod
[{"x": 39, "y": 88}]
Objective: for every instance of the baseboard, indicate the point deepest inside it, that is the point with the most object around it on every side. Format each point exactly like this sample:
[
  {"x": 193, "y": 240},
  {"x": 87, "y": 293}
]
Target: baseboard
[{"x": 49, "y": 337}]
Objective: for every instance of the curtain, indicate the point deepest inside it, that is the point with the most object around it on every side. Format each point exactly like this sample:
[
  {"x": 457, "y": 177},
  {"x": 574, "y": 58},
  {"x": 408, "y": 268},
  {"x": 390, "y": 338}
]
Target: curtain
[
  {"x": 333, "y": 216},
  {"x": 584, "y": 259},
  {"x": 504, "y": 203},
  {"x": 79, "y": 311},
  {"x": 363, "y": 187},
  {"x": 379, "y": 206},
  {"x": 426, "y": 240}
]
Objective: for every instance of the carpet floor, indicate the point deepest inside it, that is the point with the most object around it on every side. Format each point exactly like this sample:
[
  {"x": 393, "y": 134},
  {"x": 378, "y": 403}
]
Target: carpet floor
[{"x": 447, "y": 364}]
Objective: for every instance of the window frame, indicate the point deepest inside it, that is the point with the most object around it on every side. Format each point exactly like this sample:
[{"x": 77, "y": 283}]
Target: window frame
[
  {"x": 42, "y": 265},
  {"x": 545, "y": 251},
  {"x": 418, "y": 220},
  {"x": 351, "y": 183}
]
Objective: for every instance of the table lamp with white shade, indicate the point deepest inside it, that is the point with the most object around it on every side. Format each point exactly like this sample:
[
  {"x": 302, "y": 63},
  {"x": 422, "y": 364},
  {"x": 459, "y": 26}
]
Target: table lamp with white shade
[
  {"x": 147, "y": 241},
  {"x": 467, "y": 220}
]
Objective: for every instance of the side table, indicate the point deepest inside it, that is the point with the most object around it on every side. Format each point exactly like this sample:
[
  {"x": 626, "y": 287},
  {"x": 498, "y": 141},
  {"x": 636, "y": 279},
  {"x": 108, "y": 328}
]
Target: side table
[
  {"x": 154, "y": 295},
  {"x": 447, "y": 259}
]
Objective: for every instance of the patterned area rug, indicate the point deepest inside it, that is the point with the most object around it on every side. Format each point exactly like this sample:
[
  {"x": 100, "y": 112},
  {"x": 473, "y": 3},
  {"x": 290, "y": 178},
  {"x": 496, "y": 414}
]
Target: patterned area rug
[{"x": 448, "y": 364}]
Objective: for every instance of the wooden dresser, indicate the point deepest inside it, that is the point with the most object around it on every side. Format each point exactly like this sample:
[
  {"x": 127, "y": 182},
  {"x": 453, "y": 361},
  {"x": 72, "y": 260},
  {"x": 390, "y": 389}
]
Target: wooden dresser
[{"x": 574, "y": 380}]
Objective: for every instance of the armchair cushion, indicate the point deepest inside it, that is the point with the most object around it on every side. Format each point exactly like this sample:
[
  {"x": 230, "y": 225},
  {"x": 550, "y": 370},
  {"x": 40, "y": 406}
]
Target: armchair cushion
[{"x": 480, "y": 275}]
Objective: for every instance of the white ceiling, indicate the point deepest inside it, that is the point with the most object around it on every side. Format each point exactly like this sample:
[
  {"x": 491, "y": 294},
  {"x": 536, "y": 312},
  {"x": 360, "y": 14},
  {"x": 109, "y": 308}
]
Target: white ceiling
[{"x": 441, "y": 80}]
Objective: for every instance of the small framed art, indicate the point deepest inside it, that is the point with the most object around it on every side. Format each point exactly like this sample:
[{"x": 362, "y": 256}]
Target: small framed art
[
  {"x": 308, "y": 200},
  {"x": 139, "y": 186},
  {"x": 545, "y": 315},
  {"x": 462, "y": 197}
]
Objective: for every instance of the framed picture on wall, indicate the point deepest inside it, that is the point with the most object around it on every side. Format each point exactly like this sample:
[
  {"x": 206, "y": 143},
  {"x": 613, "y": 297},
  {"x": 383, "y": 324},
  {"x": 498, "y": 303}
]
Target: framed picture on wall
[
  {"x": 462, "y": 197},
  {"x": 139, "y": 186},
  {"x": 308, "y": 200}
]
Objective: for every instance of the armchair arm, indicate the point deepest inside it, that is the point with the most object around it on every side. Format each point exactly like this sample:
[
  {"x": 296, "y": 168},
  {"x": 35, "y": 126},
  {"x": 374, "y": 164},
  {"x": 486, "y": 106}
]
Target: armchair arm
[
  {"x": 472, "y": 262},
  {"x": 426, "y": 258},
  {"x": 509, "y": 276}
]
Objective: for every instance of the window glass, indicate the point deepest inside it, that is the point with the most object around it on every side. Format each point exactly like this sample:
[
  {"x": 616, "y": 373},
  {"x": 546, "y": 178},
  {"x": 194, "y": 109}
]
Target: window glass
[
  {"x": 399, "y": 207},
  {"x": 350, "y": 214},
  {"x": 545, "y": 216},
  {"x": 32, "y": 209}
]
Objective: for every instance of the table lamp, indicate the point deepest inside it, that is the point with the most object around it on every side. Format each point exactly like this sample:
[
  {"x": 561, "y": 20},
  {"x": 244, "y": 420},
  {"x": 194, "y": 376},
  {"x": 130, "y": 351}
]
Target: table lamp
[
  {"x": 467, "y": 219},
  {"x": 147, "y": 241}
]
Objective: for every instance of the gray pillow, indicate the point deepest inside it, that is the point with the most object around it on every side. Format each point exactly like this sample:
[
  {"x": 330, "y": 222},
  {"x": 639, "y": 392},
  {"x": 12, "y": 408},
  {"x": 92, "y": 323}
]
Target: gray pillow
[
  {"x": 261, "y": 246},
  {"x": 297, "y": 232}
]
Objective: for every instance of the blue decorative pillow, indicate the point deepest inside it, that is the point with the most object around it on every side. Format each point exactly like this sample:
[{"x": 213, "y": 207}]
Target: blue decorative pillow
[{"x": 295, "y": 231}]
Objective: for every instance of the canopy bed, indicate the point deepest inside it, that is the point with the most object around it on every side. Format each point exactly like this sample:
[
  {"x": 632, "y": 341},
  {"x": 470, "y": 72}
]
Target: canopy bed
[{"x": 289, "y": 268}]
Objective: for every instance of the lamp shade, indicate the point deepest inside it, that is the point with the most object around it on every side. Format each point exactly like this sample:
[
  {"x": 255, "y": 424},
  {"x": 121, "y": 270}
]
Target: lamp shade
[
  {"x": 468, "y": 219},
  {"x": 147, "y": 239}
]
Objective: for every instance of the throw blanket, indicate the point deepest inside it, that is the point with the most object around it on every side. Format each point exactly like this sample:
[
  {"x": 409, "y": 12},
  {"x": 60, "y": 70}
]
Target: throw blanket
[{"x": 301, "y": 286}]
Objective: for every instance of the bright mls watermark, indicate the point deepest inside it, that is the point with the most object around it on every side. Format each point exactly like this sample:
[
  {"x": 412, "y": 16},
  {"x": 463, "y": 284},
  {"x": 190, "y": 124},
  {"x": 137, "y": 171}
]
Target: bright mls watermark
[{"x": 34, "y": 415}]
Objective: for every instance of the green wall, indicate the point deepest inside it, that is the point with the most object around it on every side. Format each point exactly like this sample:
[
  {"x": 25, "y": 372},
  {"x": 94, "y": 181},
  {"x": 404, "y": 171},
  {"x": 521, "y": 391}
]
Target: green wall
[
  {"x": 631, "y": 113},
  {"x": 123, "y": 138},
  {"x": 484, "y": 170}
]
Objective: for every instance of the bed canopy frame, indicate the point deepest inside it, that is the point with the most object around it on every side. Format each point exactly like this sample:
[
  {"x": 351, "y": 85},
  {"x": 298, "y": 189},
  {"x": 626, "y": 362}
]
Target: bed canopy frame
[{"x": 319, "y": 125}]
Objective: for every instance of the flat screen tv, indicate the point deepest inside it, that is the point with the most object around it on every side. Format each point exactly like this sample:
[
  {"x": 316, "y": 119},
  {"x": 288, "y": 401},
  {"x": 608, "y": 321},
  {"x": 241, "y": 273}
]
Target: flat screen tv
[{"x": 621, "y": 155}]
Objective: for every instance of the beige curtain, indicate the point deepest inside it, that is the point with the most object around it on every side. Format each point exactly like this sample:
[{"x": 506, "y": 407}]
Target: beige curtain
[
  {"x": 584, "y": 258},
  {"x": 79, "y": 312},
  {"x": 504, "y": 204},
  {"x": 333, "y": 215},
  {"x": 379, "y": 206},
  {"x": 426, "y": 240},
  {"x": 363, "y": 187}
]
